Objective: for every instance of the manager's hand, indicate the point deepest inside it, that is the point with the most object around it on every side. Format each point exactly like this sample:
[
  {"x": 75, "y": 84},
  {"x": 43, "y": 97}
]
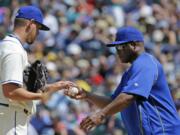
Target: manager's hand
[
  {"x": 78, "y": 95},
  {"x": 92, "y": 121}
]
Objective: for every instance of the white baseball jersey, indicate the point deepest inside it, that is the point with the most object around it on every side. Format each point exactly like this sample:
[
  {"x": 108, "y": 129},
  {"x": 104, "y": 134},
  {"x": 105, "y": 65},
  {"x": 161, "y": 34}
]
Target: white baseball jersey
[{"x": 13, "y": 60}]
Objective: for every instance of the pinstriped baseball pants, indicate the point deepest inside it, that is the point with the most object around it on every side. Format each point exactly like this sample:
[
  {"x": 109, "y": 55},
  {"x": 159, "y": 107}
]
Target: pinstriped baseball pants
[{"x": 13, "y": 121}]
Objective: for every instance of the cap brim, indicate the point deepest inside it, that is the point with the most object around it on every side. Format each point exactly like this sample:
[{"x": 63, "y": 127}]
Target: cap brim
[
  {"x": 44, "y": 27},
  {"x": 115, "y": 43}
]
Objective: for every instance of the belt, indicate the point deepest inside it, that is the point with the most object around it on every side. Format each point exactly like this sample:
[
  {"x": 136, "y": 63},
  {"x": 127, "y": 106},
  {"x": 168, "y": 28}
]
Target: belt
[{"x": 24, "y": 110}]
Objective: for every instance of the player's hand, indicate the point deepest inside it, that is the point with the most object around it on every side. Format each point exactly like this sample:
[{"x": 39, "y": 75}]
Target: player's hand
[
  {"x": 78, "y": 94},
  {"x": 65, "y": 85},
  {"x": 51, "y": 88},
  {"x": 92, "y": 121},
  {"x": 60, "y": 85}
]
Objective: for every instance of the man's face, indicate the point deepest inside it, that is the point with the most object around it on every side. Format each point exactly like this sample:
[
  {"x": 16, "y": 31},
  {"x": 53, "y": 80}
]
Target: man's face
[
  {"x": 125, "y": 52},
  {"x": 33, "y": 32}
]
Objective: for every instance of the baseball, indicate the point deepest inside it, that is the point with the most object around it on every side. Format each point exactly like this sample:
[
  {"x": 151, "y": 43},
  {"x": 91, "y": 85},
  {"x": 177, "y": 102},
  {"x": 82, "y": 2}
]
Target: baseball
[{"x": 73, "y": 91}]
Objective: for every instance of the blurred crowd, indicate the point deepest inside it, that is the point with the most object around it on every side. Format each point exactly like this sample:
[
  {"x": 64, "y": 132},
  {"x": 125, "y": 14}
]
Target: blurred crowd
[{"x": 75, "y": 49}]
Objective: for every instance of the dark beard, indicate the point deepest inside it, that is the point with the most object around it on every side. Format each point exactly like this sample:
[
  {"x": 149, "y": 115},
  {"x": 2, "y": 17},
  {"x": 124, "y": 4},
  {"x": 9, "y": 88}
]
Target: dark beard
[
  {"x": 132, "y": 56},
  {"x": 30, "y": 42},
  {"x": 129, "y": 58}
]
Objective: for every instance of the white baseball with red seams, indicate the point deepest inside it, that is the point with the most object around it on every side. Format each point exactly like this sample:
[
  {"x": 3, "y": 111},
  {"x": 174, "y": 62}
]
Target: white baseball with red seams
[{"x": 73, "y": 91}]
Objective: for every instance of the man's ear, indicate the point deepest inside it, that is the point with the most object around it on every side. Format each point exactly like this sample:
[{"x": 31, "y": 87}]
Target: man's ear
[
  {"x": 29, "y": 26},
  {"x": 133, "y": 47}
]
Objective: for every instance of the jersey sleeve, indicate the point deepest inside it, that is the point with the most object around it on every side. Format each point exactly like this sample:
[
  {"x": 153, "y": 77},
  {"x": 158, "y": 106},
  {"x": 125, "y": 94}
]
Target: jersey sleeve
[
  {"x": 117, "y": 91},
  {"x": 12, "y": 69},
  {"x": 141, "y": 80}
]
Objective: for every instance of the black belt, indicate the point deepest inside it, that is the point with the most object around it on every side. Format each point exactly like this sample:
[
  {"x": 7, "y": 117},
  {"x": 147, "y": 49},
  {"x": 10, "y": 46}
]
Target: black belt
[{"x": 7, "y": 105}]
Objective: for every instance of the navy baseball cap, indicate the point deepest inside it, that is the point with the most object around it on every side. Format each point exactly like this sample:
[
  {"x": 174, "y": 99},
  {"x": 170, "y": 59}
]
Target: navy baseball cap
[
  {"x": 32, "y": 13},
  {"x": 125, "y": 35}
]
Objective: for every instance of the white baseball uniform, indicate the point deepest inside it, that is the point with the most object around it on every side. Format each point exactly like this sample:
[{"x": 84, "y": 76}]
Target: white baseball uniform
[{"x": 13, "y": 115}]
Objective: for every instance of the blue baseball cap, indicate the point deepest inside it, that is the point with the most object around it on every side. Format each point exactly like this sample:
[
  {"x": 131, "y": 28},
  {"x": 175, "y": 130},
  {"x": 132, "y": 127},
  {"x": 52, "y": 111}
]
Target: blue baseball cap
[
  {"x": 32, "y": 13},
  {"x": 125, "y": 35}
]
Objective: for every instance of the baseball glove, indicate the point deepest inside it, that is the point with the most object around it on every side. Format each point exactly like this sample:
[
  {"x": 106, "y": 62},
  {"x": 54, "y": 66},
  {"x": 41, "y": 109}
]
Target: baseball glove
[{"x": 35, "y": 76}]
